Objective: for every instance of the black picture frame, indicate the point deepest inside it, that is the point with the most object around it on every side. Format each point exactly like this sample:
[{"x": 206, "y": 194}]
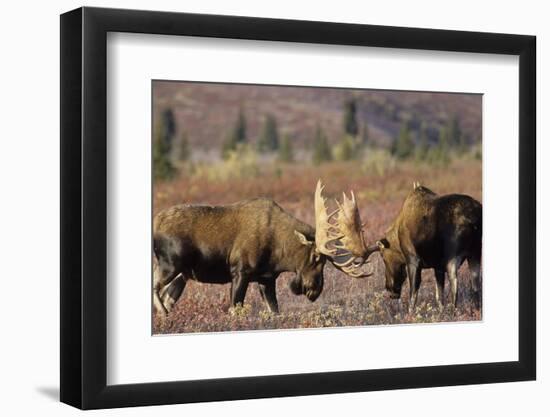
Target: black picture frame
[{"x": 84, "y": 207}]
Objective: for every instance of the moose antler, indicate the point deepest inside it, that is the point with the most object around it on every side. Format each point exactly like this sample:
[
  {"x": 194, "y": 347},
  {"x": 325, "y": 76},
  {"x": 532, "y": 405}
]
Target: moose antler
[
  {"x": 352, "y": 242},
  {"x": 342, "y": 240},
  {"x": 325, "y": 232},
  {"x": 350, "y": 226}
]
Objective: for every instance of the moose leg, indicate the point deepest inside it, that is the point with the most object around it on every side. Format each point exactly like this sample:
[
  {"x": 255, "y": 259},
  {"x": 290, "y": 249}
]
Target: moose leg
[
  {"x": 452, "y": 267},
  {"x": 157, "y": 303},
  {"x": 267, "y": 290},
  {"x": 414, "y": 272},
  {"x": 162, "y": 276},
  {"x": 239, "y": 285},
  {"x": 475, "y": 269},
  {"x": 440, "y": 288},
  {"x": 171, "y": 293}
]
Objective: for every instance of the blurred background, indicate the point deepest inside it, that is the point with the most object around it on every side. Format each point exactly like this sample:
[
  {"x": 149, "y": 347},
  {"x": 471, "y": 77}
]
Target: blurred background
[{"x": 215, "y": 133}]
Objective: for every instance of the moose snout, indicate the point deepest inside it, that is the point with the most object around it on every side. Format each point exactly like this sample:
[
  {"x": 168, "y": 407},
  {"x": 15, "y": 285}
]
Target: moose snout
[{"x": 296, "y": 287}]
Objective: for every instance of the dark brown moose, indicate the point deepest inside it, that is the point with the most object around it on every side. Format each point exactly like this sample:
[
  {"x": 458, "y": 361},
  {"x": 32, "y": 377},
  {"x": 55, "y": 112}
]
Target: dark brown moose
[
  {"x": 250, "y": 241},
  {"x": 430, "y": 231}
]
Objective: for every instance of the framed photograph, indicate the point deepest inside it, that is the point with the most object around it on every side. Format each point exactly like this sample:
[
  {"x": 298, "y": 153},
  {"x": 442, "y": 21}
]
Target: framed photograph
[{"x": 257, "y": 208}]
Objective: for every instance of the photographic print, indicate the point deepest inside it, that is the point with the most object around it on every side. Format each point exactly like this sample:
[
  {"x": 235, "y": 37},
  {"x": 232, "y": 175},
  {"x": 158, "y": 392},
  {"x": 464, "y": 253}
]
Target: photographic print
[{"x": 282, "y": 207}]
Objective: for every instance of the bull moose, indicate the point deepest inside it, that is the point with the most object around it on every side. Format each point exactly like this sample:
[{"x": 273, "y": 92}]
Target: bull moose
[
  {"x": 250, "y": 241},
  {"x": 430, "y": 231}
]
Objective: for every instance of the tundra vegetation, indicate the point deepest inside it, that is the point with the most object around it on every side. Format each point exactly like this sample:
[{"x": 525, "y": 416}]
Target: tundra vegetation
[{"x": 376, "y": 148}]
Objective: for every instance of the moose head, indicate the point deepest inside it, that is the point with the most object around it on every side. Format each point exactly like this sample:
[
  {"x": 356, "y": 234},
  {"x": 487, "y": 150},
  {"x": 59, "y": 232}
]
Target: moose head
[{"x": 338, "y": 239}]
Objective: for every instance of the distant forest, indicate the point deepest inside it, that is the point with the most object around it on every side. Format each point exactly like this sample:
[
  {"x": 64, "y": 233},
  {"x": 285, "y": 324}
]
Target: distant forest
[{"x": 216, "y": 121}]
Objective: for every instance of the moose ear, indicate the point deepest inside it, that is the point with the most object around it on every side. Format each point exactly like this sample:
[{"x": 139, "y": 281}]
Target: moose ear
[
  {"x": 383, "y": 243},
  {"x": 303, "y": 240}
]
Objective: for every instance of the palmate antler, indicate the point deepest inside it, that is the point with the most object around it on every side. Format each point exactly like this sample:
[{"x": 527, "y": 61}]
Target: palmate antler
[
  {"x": 342, "y": 240},
  {"x": 350, "y": 227},
  {"x": 325, "y": 231}
]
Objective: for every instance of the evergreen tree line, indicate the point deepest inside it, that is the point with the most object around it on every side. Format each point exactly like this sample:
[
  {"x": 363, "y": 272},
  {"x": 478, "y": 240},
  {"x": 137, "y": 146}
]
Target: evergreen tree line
[
  {"x": 415, "y": 140},
  {"x": 167, "y": 151},
  {"x": 269, "y": 140},
  {"x": 432, "y": 144},
  {"x": 354, "y": 138}
]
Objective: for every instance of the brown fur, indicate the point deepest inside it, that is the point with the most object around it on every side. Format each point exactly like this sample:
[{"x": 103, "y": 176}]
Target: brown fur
[
  {"x": 437, "y": 232},
  {"x": 250, "y": 241}
]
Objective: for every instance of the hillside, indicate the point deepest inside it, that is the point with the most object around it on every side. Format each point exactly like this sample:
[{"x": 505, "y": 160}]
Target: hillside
[{"x": 207, "y": 111}]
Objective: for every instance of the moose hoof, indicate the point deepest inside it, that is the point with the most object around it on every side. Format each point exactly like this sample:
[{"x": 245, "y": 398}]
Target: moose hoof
[{"x": 161, "y": 312}]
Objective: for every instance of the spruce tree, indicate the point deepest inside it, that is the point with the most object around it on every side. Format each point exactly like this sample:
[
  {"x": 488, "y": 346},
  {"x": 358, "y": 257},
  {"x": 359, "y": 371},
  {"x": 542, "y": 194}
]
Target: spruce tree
[
  {"x": 162, "y": 165},
  {"x": 454, "y": 133},
  {"x": 269, "y": 136},
  {"x": 239, "y": 131},
  {"x": 168, "y": 122},
  {"x": 350, "y": 118},
  {"x": 236, "y": 136},
  {"x": 421, "y": 150},
  {"x": 321, "y": 148},
  {"x": 403, "y": 144}
]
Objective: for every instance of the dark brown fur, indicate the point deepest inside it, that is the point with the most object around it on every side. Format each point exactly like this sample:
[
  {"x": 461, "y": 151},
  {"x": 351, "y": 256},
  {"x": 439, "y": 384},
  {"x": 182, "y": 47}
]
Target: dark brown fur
[
  {"x": 432, "y": 231},
  {"x": 250, "y": 241}
]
